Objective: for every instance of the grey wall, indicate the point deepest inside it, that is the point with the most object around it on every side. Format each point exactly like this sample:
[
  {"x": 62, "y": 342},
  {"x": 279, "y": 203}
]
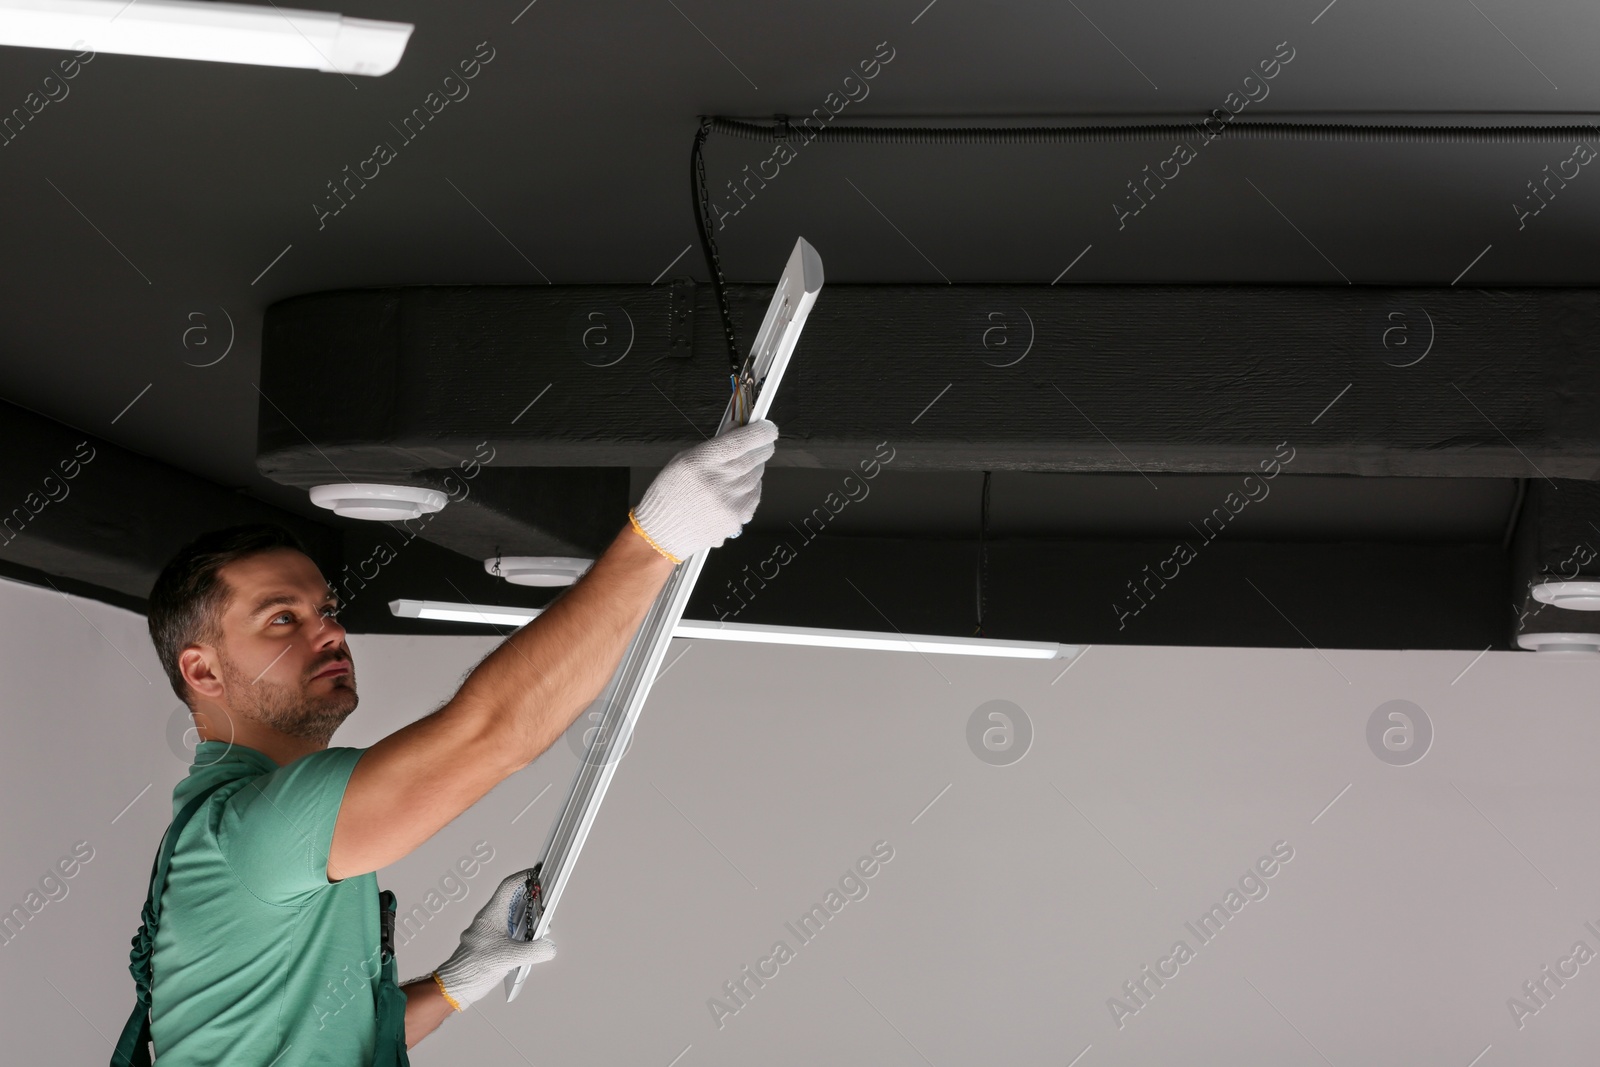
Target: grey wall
[{"x": 1014, "y": 906}]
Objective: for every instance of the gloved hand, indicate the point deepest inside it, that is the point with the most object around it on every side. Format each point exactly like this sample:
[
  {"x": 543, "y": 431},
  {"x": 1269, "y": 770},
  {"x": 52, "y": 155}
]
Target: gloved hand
[
  {"x": 487, "y": 953},
  {"x": 707, "y": 493}
]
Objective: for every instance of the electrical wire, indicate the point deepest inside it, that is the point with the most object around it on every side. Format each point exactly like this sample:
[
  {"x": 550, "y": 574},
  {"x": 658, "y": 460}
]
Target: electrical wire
[
  {"x": 782, "y": 130},
  {"x": 708, "y": 244},
  {"x": 1224, "y": 128},
  {"x": 1218, "y": 124}
]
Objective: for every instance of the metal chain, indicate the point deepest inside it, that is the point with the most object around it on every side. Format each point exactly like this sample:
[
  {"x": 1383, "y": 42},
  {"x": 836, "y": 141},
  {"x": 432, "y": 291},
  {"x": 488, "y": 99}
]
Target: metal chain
[{"x": 709, "y": 246}]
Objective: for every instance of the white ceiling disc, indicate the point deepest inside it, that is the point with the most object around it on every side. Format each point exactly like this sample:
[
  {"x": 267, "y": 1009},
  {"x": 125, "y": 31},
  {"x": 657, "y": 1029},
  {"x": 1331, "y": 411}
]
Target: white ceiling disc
[
  {"x": 538, "y": 570},
  {"x": 1560, "y": 642},
  {"x": 1580, "y": 595},
  {"x": 383, "y": 503}
]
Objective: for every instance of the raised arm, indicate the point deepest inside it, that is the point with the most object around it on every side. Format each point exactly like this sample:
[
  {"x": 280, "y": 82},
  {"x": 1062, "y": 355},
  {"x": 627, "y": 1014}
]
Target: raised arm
[{"x": 525, "y": 694}]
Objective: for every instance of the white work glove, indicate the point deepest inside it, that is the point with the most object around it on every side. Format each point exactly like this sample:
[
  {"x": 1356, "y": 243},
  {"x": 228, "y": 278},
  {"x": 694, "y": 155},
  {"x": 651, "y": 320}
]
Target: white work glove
[
  {"x": 487, "y": 953},
  {"x": 707, "y": 493}
]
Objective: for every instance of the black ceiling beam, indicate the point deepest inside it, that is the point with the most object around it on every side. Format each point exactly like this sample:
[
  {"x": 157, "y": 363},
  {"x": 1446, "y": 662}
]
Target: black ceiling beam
[
  {"x": 96, "y": 519},
  {"x": 407, "y": 385},
  {"x": 86, "y": 517},
  {"x": 1430, "y": 382},
  {"x": 1126, "y": 591},
  {"x": 95, "y": 533}
]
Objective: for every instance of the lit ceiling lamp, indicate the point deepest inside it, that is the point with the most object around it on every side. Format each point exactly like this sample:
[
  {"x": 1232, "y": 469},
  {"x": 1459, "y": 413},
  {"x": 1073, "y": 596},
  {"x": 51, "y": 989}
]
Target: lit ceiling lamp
[
  {"x": 223, "y": 33},
  {"x": 384, "y": 503},
  {"x": 538, "y": 570},
  {"x": 751, "y": 632},
  {"x": 443, "y": 611},
  {"x": 882, "y": 642}
]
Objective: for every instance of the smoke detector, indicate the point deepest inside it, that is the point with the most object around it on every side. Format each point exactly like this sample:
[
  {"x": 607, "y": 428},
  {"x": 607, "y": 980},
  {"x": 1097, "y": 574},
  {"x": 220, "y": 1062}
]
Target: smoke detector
[
  {"x": 1580, "y": 595},
  {"x": 538, "y": 570},
  {"x": 1560, "y": 642},
  {"x": 384, "y": 503}
]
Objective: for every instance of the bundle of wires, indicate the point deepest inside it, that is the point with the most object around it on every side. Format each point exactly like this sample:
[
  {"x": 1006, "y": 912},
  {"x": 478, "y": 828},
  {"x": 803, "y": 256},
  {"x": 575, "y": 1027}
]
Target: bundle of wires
[{"x": 744, "y": 397}]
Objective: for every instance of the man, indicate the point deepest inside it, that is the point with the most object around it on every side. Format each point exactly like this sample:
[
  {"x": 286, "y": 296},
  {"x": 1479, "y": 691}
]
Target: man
[{"x": 266, "y": 950}]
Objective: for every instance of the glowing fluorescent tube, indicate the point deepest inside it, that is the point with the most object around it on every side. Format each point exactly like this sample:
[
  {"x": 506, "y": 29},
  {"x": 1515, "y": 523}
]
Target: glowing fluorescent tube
[
  {"x": 882, "y": 642},
  {"x": 445, "y": 611},
  {"x": 764, "y": 634},
  {"x": 263, "y": 35}
]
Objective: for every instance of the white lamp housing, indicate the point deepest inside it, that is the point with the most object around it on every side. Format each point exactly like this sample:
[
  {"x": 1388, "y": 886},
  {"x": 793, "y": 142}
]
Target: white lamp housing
[
  {"x": 263, "y": 35},
  {"x": 760, "y": 633},
  {"x": 384, "y": 503},
  {"x": 538, "y": 570},
  {"x": 1560, "y": 642},
  {"x": 1580, "y": 595},
  {"x": 867, "y": 640}
]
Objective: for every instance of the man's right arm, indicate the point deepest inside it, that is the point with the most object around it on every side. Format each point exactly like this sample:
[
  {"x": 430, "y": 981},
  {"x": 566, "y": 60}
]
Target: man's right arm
[{"x": 407, "y": 787}]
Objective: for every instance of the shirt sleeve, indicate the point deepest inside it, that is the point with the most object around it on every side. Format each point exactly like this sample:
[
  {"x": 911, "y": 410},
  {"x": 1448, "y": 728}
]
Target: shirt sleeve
[{"x": 275, "y": 832}]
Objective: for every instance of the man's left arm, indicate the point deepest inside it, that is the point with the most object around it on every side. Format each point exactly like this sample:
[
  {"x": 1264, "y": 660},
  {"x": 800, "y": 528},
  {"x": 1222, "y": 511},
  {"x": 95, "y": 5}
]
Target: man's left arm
[{"x": 426, "y": 1008}]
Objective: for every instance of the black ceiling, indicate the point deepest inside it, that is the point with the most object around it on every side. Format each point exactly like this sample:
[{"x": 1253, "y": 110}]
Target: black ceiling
[{"x": 154, "y": 212}]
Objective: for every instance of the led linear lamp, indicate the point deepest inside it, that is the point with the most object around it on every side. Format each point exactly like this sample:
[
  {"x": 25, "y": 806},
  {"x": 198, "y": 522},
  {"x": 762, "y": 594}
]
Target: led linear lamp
[
  {"x": 267, "y": 35},
  {"x": 763, "y": 634}
]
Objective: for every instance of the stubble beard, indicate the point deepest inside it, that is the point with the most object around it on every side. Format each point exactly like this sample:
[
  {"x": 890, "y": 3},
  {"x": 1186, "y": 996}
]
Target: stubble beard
[{"x": 290, "y": 709}]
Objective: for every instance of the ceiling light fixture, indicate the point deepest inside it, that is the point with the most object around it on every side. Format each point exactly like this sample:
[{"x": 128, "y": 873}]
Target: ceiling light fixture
[
  {"x": 764, "y": 634},
  {"x": 383, "y": 503},
  {"x": 1559, "y": 642},
  {"x": 538, "y": 570},
  {"x": 865, "y": 639},
  {"x": 268, "y": 36},
  {"x": 1580, "y": 595},
  {"x": 444, "y": 611}
]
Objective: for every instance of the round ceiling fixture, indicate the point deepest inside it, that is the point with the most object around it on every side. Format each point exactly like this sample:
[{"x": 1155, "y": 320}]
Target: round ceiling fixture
[
  {"x": 1560, "y": 642},
  {"x": 1580, "y": 595},
  {"x": 538, "y": 570},
  {"x": 385, "y": 503}
]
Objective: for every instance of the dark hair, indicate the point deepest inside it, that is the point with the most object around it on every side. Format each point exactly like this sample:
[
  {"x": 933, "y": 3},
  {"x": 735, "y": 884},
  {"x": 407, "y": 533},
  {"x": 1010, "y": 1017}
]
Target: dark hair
[{"x": 189, "y": 598}]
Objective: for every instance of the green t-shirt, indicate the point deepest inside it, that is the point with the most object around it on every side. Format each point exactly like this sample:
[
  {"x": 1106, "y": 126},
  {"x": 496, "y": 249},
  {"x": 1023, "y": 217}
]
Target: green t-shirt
[{"x": 259, "y": 960}]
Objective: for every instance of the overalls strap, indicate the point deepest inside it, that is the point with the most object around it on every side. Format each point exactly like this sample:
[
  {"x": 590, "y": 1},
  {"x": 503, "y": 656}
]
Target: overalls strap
[
  {"x": 390, "y": 1050},
  {"x": 133, "y": 1048}
]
